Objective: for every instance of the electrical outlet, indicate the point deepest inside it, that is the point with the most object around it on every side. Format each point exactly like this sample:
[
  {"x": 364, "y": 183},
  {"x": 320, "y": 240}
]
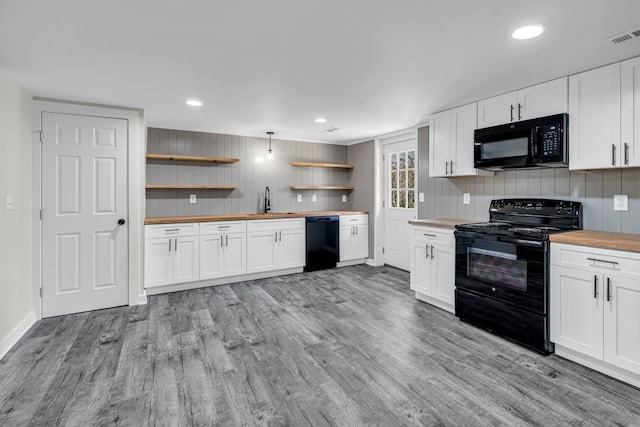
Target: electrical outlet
[
  {"x": 314, "y": 198},
  {"x": 299, "y": 198},
  {"x": 8, "y": 202},
  {"x": 421, "y": 197},
  {"x": 344, "y": 197},
  {"x": 620, "y": 202},
  {"x": 466, "y": 198},
  {"x": 192, "y": 198}
]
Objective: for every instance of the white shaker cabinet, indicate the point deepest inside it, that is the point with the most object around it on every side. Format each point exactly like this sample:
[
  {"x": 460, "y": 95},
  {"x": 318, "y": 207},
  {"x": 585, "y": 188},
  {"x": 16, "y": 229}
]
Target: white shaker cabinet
[
  {"x": 275, "y": 244},
  {"x": 595, "y": 308},
  {"x": 222, "y": 249},
  {"x": 451, "y": 142},
  {"x": 541, "y": 100},
  {"x": 433, "y": 266},
  {"x": 630, "y": 112},
  {"x": 171, "y": 254},
  {"x": 354, "y": 237}
]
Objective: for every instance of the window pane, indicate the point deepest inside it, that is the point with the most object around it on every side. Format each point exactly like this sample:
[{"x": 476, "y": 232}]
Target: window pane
[
  {"x": 403, "y": 179},
  {"x": 411, "y": 199},
  {"x": 394, "y": 198},
  {"x": 402, "y": 202},
  {"x": 394, "y": 161},
  {"x": 394, "y": 179},
  {"x": 411, "y": 159},
  {"x": 402, "y": 161},
  {"x": 411, "y": 179}
]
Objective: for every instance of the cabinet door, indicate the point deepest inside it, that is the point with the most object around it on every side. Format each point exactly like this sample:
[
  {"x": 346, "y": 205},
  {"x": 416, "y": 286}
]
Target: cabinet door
[
  {"x": 211, "y": 256},
  {"x": 347, "y": 249},
  {"x": 290, "y": 249},
  {"x": 158, "y": 266},
  {"x": 543, "y": 100},
  {"x": 577, "y": 309},
  {"x": 622, "y": 323},
  {"x": 463, "y": 123},
  {"x": 497, "y": 110},
  {"x": 361, "y": 241},
  {"x": 185, "y": 259},
  {"x": 440, "y": 148},
  {"x": 235, "y": 250},
  {"x": 261, "y": 255},
  {"x": 630, "y": 119},
  {"x": 442, "y": 276},
  {"x": 420, "y": 267},
  {"x": 594, "y": 110}
]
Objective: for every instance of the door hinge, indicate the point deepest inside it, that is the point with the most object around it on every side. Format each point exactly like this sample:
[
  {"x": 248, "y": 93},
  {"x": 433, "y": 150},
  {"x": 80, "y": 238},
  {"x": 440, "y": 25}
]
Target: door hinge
[
  {"x": 383, "y": 249},
  {"x": 39, "y": 132}
]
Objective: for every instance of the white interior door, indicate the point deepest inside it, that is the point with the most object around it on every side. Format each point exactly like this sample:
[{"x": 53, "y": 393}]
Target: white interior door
[
  {"x": 400, "y": 204},
  {"x": 84, "y": 195}
]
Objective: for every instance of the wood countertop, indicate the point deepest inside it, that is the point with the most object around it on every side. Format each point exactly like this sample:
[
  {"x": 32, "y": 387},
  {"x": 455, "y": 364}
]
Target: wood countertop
[
  {"x": 447, "y": 223},
  {"x": 599, "y": 239},
  {"x": 244, "y": 217}
]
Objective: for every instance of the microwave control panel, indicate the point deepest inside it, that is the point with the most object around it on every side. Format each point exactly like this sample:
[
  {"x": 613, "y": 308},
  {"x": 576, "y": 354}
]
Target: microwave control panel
[{"x": 551, "y": 139}]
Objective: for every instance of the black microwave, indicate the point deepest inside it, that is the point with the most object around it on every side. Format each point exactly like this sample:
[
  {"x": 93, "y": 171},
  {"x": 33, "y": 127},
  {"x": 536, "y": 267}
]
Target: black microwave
[{"x": 535, "y": 143}]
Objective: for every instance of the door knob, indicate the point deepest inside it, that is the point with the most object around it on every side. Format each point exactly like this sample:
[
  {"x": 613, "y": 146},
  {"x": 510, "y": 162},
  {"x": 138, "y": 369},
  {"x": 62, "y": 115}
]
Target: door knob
[{"x": 121, "y": 221}]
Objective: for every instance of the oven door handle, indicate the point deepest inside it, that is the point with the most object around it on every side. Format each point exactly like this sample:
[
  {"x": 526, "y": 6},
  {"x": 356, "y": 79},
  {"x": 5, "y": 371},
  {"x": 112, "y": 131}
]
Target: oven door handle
[{"x": 534, "y": 243}]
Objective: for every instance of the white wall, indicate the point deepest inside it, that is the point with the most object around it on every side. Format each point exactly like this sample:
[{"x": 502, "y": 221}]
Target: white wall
[{"x": 16, "y": 299}]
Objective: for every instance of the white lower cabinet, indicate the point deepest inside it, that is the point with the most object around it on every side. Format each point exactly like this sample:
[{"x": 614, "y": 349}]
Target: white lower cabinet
[
  {"x": 223, "y": 247},
  {"x": 354, "y": 237},
  {"x": 173, "y": 258},
  {"x": 595, "y": 308},
  {"x": 275, "y": 244},
  {"x": 433, "y": 266}
]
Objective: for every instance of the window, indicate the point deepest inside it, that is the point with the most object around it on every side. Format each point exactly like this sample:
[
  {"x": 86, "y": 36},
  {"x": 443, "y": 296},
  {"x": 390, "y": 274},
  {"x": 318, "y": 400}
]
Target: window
[{"x": 402, "y": 180}]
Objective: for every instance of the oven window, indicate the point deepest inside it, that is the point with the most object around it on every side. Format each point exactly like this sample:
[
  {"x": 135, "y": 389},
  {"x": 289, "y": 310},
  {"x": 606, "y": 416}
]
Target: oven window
[
  {"x": 508, "y": 148},
  {"x": 497, "y": 267}
]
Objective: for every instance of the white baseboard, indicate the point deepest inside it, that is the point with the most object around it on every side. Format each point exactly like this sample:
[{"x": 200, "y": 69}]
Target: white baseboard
[
  {"x": 7, "y": 342},
  {"x": 372, "y": 262},
  {"x": 142, "y": 300}
]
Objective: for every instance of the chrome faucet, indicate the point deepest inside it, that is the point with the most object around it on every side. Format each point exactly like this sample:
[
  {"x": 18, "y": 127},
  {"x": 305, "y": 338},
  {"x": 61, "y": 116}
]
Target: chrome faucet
[{"x": 267, "y": 200}]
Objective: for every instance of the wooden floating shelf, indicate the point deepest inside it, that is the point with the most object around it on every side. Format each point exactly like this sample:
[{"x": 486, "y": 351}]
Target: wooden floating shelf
[
  {"x": 322, "y": 187},
  {"x": 323, "y": 165},
  {"x": 190, "y": 187},
  {"x": 193, "y": 158}
]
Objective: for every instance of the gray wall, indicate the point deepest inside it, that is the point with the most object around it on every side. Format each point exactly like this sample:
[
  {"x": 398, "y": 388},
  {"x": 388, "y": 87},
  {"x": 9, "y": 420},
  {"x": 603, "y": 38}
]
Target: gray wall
[
  {"x": 595, "y": 189},
  {"x": 252, "y": 177},
  {"x": 363, "y": 179}
]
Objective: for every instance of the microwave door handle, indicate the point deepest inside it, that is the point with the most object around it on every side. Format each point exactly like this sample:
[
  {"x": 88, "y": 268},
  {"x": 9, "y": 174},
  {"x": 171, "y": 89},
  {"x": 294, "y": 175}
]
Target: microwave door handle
[{"x": 537, "y": 138}]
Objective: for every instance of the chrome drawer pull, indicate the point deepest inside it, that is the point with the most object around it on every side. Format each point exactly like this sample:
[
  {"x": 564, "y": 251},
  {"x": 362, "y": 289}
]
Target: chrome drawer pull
[
  {"x": 595, "y": 287},
  {"x": 430, "y": 235},
  {"x": 603, "y": 260},
  {"x": 608, "y": 289}
]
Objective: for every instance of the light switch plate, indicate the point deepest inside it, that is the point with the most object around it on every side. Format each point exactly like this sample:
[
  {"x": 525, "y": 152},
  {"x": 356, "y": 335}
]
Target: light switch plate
[
  {"x": 314, "y": 198},
  {"x": 344, "y": 197},
  {"x": 620, "y": 202},
  {"x": 421, "y": 197},
  {"x": 192, "y": 198},
  {"x": 466, "y": 198},
  {"x": 299, "y": 198},
  {"x": 8, "y": 202}
]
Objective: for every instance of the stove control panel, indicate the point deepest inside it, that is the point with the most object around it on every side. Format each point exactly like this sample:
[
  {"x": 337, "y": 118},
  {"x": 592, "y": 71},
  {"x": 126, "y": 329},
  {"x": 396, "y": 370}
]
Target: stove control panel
[{"x": 542, "y": 207}]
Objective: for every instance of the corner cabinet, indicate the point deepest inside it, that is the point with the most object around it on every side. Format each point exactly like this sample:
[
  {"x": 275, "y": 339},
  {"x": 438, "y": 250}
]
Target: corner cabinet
[
  {"x": 275, "y": 244},
  {"x": 451, "y": 142},
  {"x": 171, "y": 254},
  {"x": 354, "y": 238},
  {"x": 605, "y": 123},
  {"x": 595, "y": 308},
  {"x": 433, "y": 266},
  {"x": 540, "y": 100}
]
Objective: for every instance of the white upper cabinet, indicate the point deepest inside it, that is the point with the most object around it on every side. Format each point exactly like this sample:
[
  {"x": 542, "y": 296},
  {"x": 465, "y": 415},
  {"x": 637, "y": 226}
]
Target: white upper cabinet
[
  {"x": 451, "y": 142},
  {"x": 630, "y": 119},
  {"x": 594, "y": 119},
  {"x": 540, "y": 100}
]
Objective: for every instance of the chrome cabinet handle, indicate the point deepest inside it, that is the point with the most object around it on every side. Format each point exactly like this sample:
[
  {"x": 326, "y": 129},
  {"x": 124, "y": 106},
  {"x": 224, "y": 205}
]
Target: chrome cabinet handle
[
  {"x": 356, "y": 227},
  {"x": 176, "y": 244},
  {"x": 169, "y": 245},
  {"x": 608, "y": 289},
  {"x": 613, "y": 154},
  {"x": 227, "y": 240},
  {"x": 451, "y": 168},
  {"x": 595, "y": 287},
  {"x": 431, "y": 251},
  {"x": 446, "y": 168},
  {"x": 626, "y": 153},
  {"x": 221, "y": 240},
  {"x": 276, "y": 236},
  {"x": 602, "y": 260},
  {"x": 280, "y": 239},
  {"x": 519, "y": 111},
  {"x": 429, "y": 235},
  {"x": 511, "y": 112},
  {"x": 426, "y": 251},
  {"x": 223, "y": 227}
]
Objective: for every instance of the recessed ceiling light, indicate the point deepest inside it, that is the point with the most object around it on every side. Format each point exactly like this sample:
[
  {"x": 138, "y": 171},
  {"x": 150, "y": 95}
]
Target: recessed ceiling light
[
  {"x": 194, "y": 103},
  {"x": 320, "y": 120},
  {"x": 528, "y": 32}
]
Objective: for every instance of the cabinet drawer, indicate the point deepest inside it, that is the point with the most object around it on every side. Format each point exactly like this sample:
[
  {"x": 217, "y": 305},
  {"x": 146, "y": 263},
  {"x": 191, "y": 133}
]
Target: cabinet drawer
[
  {"x": 427, "y": 234},
  {"x": 353, "y": 219},
  {"x": 596, "y": 259},
  {"x": 187, "y": 229},
  {"x": 275, "y": 224},
  {"x": 223, "y": 227}
]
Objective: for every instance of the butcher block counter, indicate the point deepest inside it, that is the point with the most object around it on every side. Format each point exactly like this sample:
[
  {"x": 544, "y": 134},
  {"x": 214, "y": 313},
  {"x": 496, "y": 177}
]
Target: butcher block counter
[
  {"x": 446, "y": 223},
  {"x": 243, "y": 217},
  {"x": 599, "y": 239}
]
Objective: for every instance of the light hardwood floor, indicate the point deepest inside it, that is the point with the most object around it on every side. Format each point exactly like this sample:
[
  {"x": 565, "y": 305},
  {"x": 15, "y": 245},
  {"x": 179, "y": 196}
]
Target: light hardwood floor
[{"x": 337, "y": 347}]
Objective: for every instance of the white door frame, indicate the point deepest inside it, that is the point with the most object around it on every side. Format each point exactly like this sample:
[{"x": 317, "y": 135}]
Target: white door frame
[
  {"x": 380, "y": 196},
  {"x": 136, "y": 178}
]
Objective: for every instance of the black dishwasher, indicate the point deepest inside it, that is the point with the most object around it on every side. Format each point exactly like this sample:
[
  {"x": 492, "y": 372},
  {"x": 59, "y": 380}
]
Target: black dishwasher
[{"x": 322, "y": 242}]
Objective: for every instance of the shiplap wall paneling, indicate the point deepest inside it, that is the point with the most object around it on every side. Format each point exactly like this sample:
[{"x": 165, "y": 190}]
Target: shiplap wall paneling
[{"x": 362, "y": 177}]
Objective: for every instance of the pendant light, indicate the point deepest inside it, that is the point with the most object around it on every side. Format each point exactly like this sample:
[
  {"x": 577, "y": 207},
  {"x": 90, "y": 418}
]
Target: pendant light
[{"x": 269, "y": 151}]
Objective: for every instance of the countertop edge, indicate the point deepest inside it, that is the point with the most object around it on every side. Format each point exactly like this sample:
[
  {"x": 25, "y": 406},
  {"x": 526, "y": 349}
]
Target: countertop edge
[
  {"x": 599, "y": 239},
  {"x": 243, "y": 217},
  {"x": 444, "y": 223}
]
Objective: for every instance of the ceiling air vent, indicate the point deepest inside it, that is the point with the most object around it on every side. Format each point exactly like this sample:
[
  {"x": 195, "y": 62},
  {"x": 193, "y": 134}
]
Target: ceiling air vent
[
  {"x": 624, "y": 37},
  {"x": 332, "y": 129}
]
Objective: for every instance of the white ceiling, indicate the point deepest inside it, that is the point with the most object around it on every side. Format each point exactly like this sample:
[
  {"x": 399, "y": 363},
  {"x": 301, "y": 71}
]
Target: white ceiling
[{"x": 369, "y": 66}]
